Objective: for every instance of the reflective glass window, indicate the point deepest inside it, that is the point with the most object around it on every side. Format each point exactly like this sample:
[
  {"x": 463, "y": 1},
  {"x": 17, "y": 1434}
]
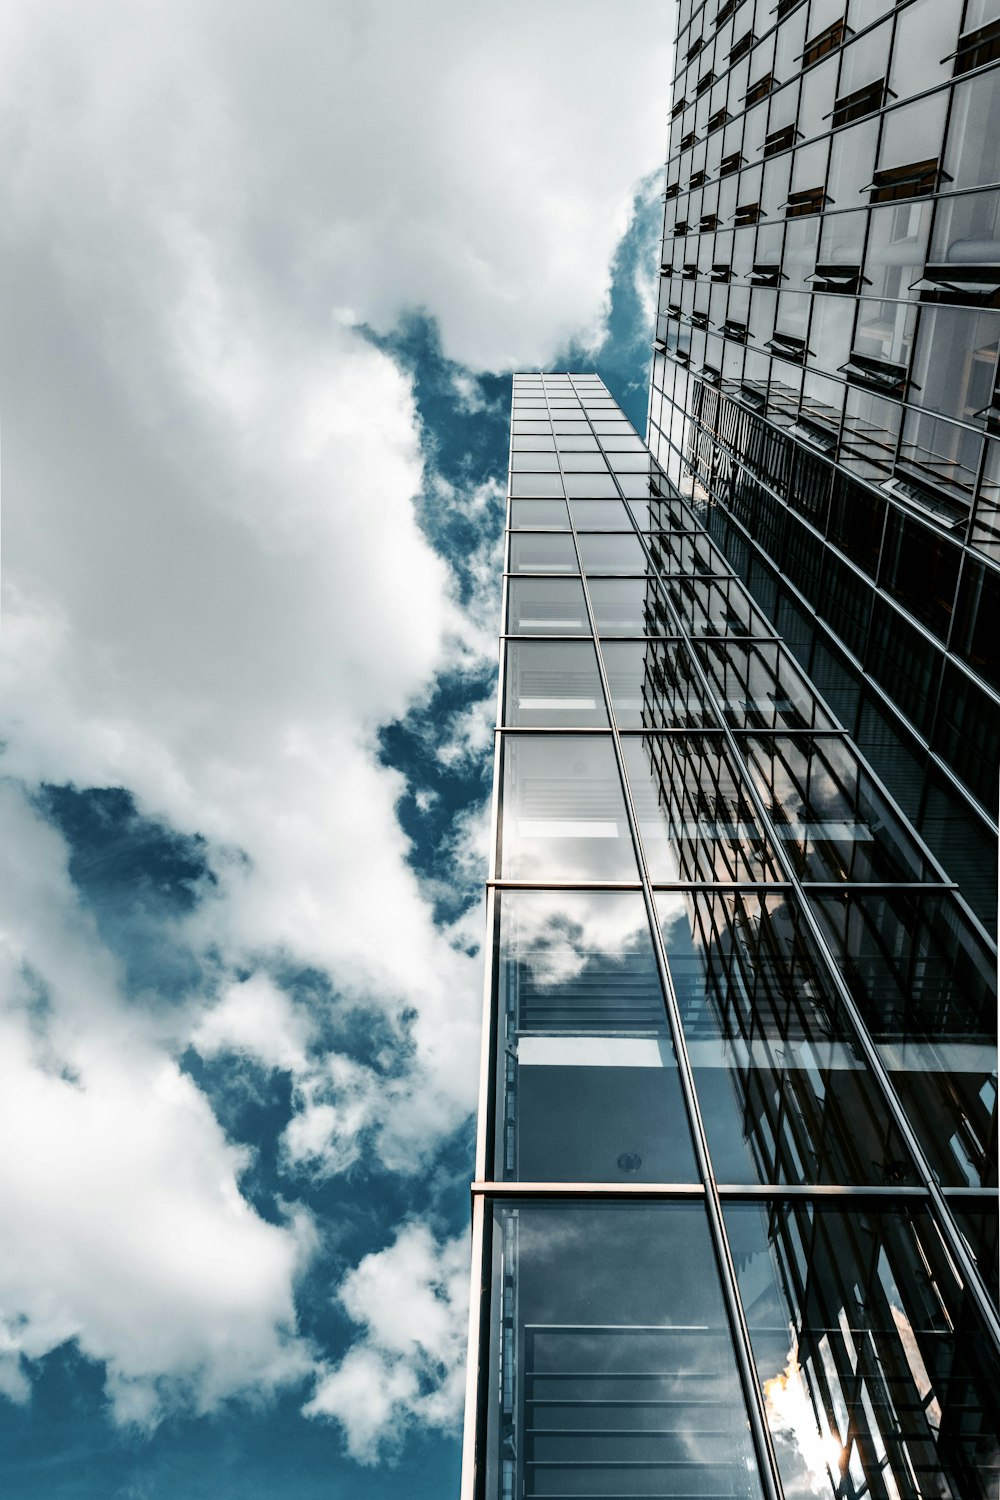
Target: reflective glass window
[
  {"x": 546, "y": 606},
  {"x": 926, "y": 986},
  {"x": 562, "y": 810},
  {"x": 783, "y": 1091},
  {"x": 612, "y": 553},
  {"x": 553, "y": 683},
  {"x": 545, "y": 459},
  {"x": 536, "y": 484},
  {"x": 545, "y": 514},
  {"x": 629, "y": 606},
  {"x": 542, "y": 552},
  {"x": 833, "y": 822},
  {"x": 588, "y": 1086},
  {"x": 654, "y": 686},
  {"x": 599, "y": 515},
  {"x": 611, "y": 1369},
  {"x": 877, "y": 1374},
  {"x": 759, "y": 686},
  {"x": 695, "y": 818}
]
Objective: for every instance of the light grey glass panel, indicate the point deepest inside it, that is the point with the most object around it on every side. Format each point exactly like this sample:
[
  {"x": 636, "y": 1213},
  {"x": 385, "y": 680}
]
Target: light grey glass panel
[
  {"x": 525, "y": 428},
  {"x": 611, "y": 1369},
  {"x": 834, "y": 822},
  {"x": 536, "y": 484},
  {"x": 546, "y": 606},
  {"x": 653, "y": 686},
  {"x": 541, "y": 552},
  {"x": 629, "y": 606},
  {"x": 584, "y": 463},
  {"x": 599, "y": 515},
  {"x": 562, "y": 812},
  {"x": 612, "y": 553},
  {"x": 545, "y": 514},
  {"x": 553, "y": 684},
  {"x": 878, "y": 1376},
  {"x": 581, "y": 443},
  {"x": 926, "y": 986},
  {"x": 695, "y": 818},
  {"x": 759, "y": 687},
  {"x": 632, "y": 462},
  {"x": 784, "y": 1093},
  {"x": 532, "y": 444},
  {"x": 540, "y": 459},
  {"x": 598, "y": 486},
  {"x": 588, "y": 1089}
]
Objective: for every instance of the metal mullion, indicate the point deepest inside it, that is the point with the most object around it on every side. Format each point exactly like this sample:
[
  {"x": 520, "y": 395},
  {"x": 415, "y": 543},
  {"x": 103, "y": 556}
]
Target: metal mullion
[
  {"x": 767, "y": 1462},
  {"x": 952, "y": 1234}
]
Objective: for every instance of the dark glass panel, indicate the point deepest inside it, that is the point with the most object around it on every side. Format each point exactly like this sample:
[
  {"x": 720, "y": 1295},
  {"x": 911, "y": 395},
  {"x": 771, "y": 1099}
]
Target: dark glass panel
[
  {"x": 926, "y": 986},
  {"x": 686, "y": 555},
  {"x": 717, "y": 606},
  {"x": 857, "y": 516},
  {"x": 878, "y": 1376},
  {"x": 542, "y": 552},
  {"x": 695, "y": 818},
  {"x": 980, "y": 1224},
  {"x": 965, "y": 844},
  {"x": 976, "y": 637},
  {"x": 553, "y": 683},
  {"x": 588, "y": 1089},
  {"x": 760, "y": 687},
  {"x": 845, "y": 601},
  {"x": 611, "y": 1369},
  {"x": 546, "y": 606},
  {"x": 832, "y": 819},
  {"x": 611, "y": 552},
  {"x": 906, "y": 664},
  {"x": 920, "y": 569},
  {"x": 783, "y": 1091},
  {"x": 562, "y": 811},
  {"x": 967, "y": 733},
  {"x": 654, "y": 686}
]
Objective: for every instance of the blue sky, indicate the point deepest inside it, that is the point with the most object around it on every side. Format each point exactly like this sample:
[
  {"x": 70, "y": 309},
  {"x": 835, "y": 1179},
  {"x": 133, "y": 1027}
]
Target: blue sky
[{"x": 260, "y": 315}]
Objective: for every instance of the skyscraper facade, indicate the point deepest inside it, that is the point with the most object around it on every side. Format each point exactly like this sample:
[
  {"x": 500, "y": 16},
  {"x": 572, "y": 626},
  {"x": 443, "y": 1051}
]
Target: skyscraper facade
[{"x": 735, "y": 1215}]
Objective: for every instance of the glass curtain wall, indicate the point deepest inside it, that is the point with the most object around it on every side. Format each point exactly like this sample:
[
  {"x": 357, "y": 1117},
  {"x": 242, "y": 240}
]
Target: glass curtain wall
[
  {"x": 737, "y": 1152},
  {"x": 825, "y": 379}
]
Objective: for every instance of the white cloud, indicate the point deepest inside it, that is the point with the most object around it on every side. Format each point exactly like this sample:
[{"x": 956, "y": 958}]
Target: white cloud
[
  {"x": 124, "y": 1227},
  {"x": 412, "y": 1301},
  {"x": 255, "y": 1018},
  {"x": 216, "y": 588}
]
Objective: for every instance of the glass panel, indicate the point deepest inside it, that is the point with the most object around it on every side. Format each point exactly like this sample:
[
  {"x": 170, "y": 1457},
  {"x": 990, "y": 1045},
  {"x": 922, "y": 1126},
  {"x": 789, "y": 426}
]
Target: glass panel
[
  {"x": 717, "y": 607},
  {"x": 536, "y": 484},
  {"x": 553, "y": 683},
  {"x": 591, "y": 484},
  {"x": 980, "y": 1224},
  {"x": 653, "y": 686},
  {"x": 563, "y": 814},
  {"x": 611, "y": 1368},
  {"x": 549, "y": 514},
  {"x": 832, "y": 819},
  {"x": 926, "y": 986},
  {"x": 760, "y": 687},
  {"x": 546, "y": 606},
  {"x": 542, "y": 553},
  {"x": 661, "y": 513},
  {"x": 783, "y": 1091},
  {"x": 673, "y": 552},
  {"x": 695, "y": 819},
  {"x": 612, "y": 553},
  {"x": 599, "y": 515},
  {"x": 629, "y": 606},
  {"x": 534, "y": 460},
  {"x": 588, "y": 1083},
  {"x": 877, "y": 1375}
]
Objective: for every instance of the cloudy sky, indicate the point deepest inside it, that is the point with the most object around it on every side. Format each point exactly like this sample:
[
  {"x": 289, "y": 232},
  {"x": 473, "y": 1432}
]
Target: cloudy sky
[{"x": 266, "y": 270}]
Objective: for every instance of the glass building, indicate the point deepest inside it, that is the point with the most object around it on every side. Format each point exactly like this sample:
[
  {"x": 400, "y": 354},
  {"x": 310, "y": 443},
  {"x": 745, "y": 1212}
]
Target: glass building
[{"x": 735, "y": 1208}]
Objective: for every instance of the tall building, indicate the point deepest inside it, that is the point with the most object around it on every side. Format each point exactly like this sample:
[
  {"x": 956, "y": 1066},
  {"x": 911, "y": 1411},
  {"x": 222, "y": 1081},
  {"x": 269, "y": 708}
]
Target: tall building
[{"x": 735, "y": 1212}]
